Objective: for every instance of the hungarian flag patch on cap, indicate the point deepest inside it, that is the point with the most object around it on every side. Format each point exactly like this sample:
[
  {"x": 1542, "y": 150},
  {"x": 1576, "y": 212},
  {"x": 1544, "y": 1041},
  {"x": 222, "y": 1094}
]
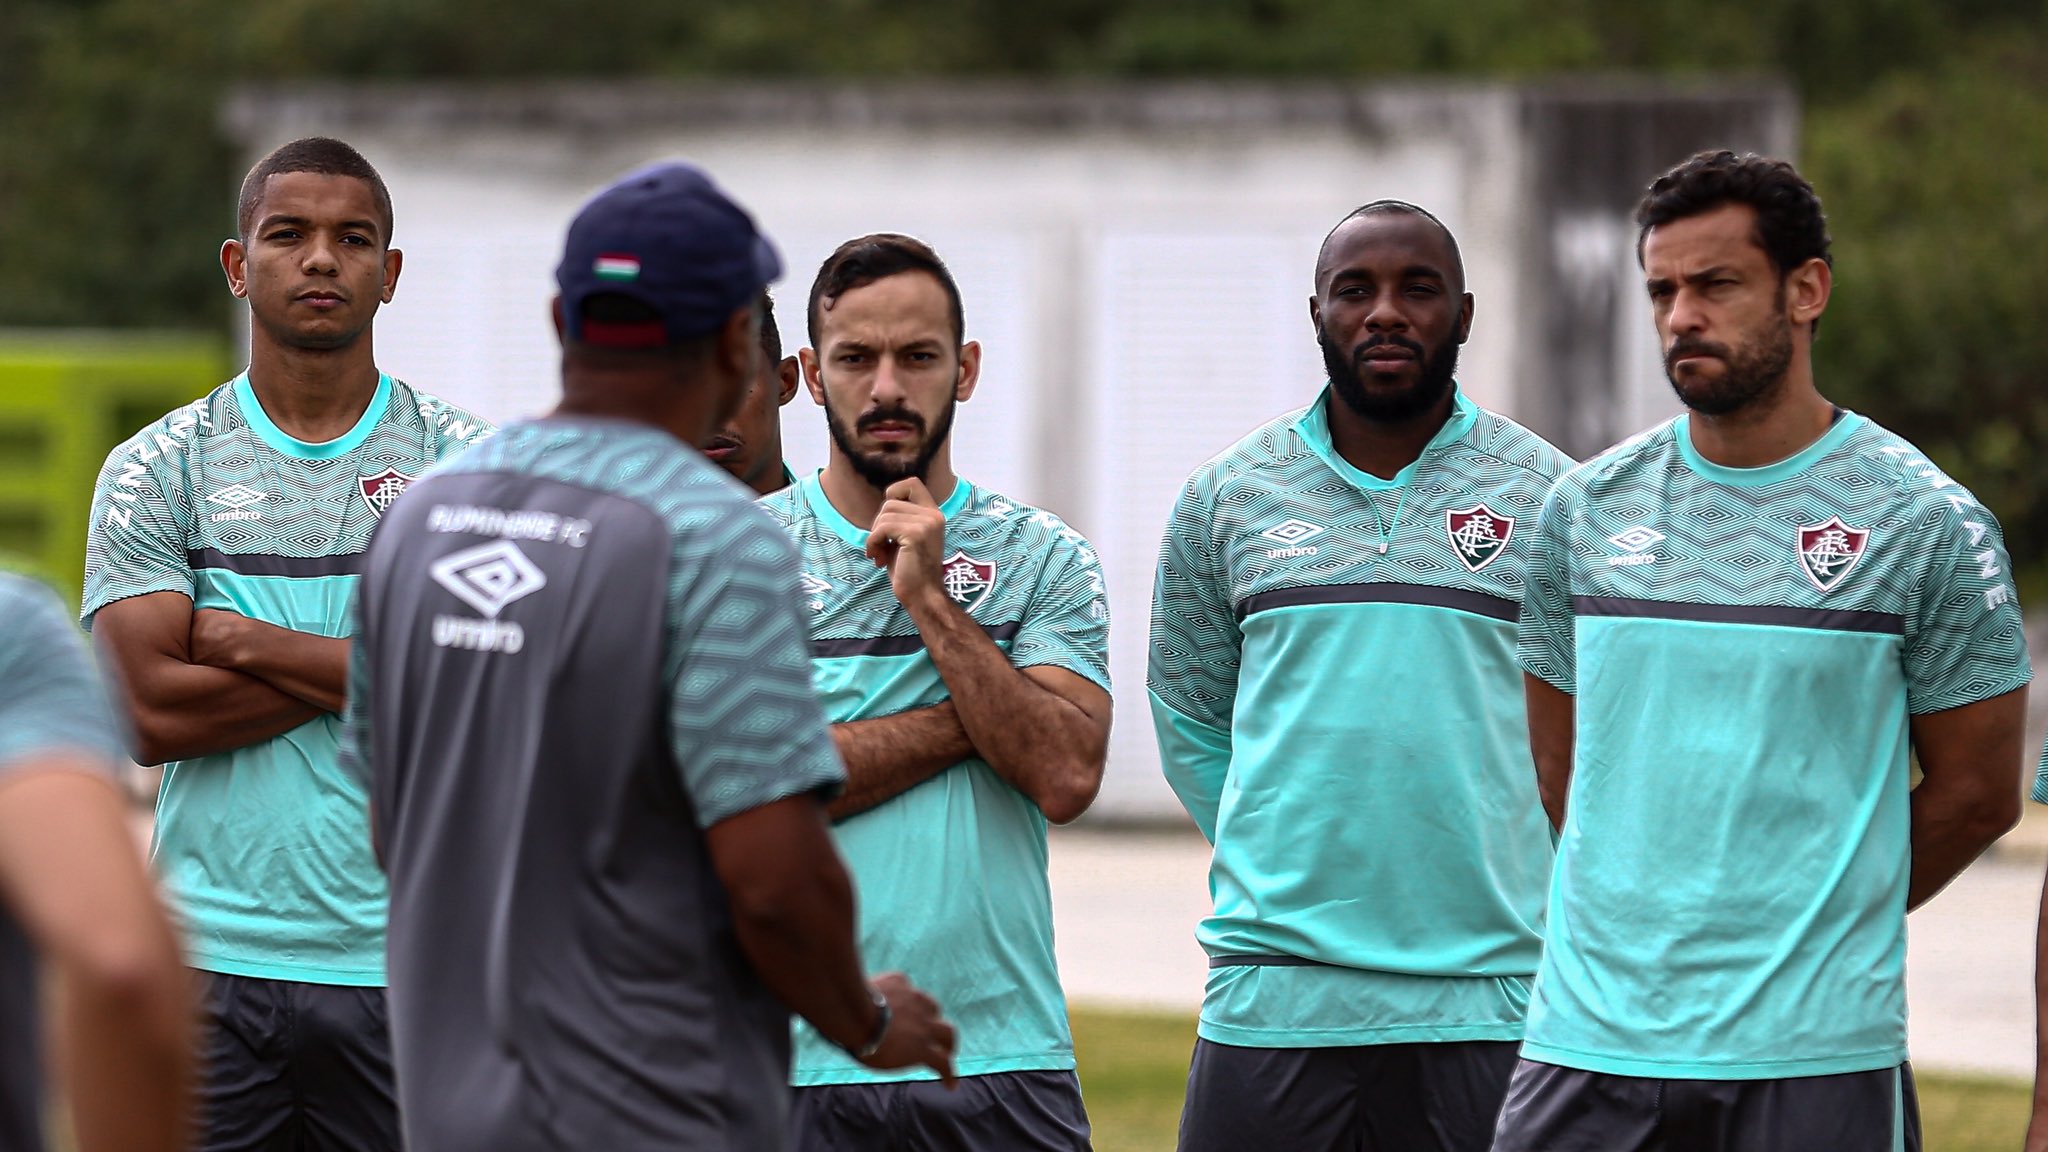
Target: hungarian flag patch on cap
[{"x": 616, "y": 266}]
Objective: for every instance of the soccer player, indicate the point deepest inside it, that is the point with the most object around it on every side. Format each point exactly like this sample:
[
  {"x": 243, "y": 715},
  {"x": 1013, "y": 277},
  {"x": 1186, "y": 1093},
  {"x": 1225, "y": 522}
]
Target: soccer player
[
  {"x": 1333, "y": 683},
  {"x": 223, "y": 550},
  {"x": 597, "y": 760},
  {"x": 2037, "y": 1129},
  {"x": 960, "y": 641},
  {"x": 750, "y": 444},
  {"x": 73, "y": 888},
  {"x": 1738, "y": 627}
]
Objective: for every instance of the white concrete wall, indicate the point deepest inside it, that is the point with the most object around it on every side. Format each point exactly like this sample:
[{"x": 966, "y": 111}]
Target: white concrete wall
[{"x": 1139, "y": 280}]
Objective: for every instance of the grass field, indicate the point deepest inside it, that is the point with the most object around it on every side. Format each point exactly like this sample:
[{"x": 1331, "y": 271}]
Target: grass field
[{"x": 1134, "y": 1067}]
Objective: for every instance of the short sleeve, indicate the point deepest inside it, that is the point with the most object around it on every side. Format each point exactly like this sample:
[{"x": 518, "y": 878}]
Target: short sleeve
[
  {"x": 745, "y": 725},
  {"x": 51, "y": 697},
  {"x": 1964, "y": 639},
  {"x": 1195, "y": 646},
  {"x": 1547, "y": 636},
  {"x": 2041, "y": 777},
  {"x": 1067, "y": 623},
  {"x": 134, "y": 544}
]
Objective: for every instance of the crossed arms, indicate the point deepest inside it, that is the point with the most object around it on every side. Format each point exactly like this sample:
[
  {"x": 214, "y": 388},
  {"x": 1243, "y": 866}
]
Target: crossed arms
[{"x": 198, "y": 682}]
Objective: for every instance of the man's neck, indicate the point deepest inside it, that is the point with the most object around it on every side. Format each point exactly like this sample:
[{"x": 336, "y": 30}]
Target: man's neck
[
  {"x": 1768, "y": 430},
  {"x": 314, "y": 396},
  {"x": 637, "y": 398},
  {"x": 859, "y": 501},
  {"x": 1383, "y": 449}
]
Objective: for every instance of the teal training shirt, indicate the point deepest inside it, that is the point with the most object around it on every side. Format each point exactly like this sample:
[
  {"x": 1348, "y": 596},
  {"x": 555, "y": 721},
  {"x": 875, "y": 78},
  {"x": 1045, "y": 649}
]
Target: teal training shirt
[
  {"x": 2041, "y": 777},
  {"x": 265, "y": 850},
  {"x": 1746, "y": 646},
  {"x": 1346, "y": 726},
  {"x": 952, "y": 873}
]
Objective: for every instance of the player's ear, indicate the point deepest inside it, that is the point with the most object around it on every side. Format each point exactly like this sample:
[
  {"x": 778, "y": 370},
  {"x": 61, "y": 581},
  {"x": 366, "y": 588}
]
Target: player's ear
[
  {"x": 394, "y": 260},
  {"x": 555, "y": 314},
  {"x": 813, "y": 382},
  {"x": 789, "y": 374},
  {"x": 234, "y": 261},
  {"x": 1465, "y": 318},
  {"x": 970, "y": 370}
]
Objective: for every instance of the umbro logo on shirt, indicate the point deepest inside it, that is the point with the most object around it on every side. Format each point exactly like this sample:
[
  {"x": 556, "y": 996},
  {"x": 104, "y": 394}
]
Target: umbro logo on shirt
[
  {"x": 235, "y": 500},
  {"x": 815, "y": 589},
  {"x": 487, "y": 577},
  {"x": 1291, "y": 533},
  {"x": 1637, "y": 541}
]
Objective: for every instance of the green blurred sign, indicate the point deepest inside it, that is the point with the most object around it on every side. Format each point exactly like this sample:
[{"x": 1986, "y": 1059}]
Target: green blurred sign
[{"x": 66, "y": 399}]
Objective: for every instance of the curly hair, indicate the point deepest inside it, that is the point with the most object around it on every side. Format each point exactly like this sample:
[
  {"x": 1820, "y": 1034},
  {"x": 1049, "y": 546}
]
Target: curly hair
[{"x": 1790, "y": 226}]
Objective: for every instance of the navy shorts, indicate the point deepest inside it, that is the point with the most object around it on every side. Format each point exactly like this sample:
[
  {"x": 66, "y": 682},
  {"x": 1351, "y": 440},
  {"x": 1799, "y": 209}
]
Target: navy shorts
[
  {"x": 1553, "y": 1109},
  {"x": 997, "y": 1112},
  {"x": 291, "y": 1067},
  {"x": 1439, "y": 1097}
]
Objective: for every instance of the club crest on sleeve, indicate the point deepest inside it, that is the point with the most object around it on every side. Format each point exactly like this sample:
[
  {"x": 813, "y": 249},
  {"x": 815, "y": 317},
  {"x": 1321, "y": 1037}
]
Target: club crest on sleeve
[
  {"x": 966, "y": 579},
  {"x": 1827, "y": 552},
  {"x": 381, "y": 490},
  {"x": 1478, "y": 534}
]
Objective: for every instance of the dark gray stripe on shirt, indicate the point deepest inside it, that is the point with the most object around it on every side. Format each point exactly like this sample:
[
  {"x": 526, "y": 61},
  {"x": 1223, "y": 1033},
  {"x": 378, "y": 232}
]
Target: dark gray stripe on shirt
[
  {"x": 895, "y": 645},
  {"x": 1457, "y": 599},
  {"x": 1826, "y": 619},
  {"x": 262, "y": 564},
  {"x": 1263, "y": 961}
]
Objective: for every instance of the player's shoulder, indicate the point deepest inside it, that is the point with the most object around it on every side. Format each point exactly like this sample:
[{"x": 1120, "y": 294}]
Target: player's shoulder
[
  {"x": 455, "y": 426},
  {"x": 162, "y": 441},
  {"x": 1257, "y": 458},
  {"x": 1026, "y": 528},
  {"x": 1642, "y": 458},
  {"x": 1886, "y": 465},
  {"x": 26, "y": 601},
  {"x": 1516, "y": 447}
]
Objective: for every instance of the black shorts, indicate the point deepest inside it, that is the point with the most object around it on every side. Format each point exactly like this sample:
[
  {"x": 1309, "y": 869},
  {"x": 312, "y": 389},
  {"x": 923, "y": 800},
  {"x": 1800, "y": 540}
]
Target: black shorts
[
  {"x": 291, "y": 1067},
  {"x": 997, "y": 1112},
  {"x": 1369, "y": 1098},
  {"x": 1552, "y": 1109}
]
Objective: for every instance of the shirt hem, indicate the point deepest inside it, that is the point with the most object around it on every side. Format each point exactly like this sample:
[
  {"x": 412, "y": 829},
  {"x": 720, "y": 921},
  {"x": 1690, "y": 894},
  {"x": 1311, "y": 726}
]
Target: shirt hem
[
  {"x": 1872, "y": 1061},
  {"x": 1240, "y": 1036},
  {"x": 294, "y": 973},
  {"x": 827, "y": 1077}
]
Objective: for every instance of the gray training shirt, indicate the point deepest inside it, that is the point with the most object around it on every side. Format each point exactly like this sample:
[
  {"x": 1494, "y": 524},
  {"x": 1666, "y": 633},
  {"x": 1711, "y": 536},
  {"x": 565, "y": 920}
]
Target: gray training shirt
[
  {"x": 579, "y": 646},
  {"x": 50, "y": 703}
]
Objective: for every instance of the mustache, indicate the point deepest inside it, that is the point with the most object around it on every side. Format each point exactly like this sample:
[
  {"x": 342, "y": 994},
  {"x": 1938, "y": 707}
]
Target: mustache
[
  {"x": 1693, "y": 346},
  {"x": 1415, "y": 349},
  {"x": 889, "y": 416}
]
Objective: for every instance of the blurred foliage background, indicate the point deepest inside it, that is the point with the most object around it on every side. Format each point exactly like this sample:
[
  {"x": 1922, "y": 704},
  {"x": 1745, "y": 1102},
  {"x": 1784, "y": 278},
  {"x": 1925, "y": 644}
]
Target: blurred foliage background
[{"x": 1925, "y": 131}]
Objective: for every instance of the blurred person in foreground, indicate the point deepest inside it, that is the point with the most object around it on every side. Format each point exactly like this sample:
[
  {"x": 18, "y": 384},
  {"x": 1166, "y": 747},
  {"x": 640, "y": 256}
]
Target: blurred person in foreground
[
  {"x": 960, "y": 640},
  {"x": 74, "y": 892},
  {"x": 597, "y": 765},
  {"x": 223, "y": 551},
  {"x": 2037, "y": 1128},
  {"x": 749, "y": 445},
  {"x": 1334, "y": 685},
  {"x": 1741, "y": 628}
]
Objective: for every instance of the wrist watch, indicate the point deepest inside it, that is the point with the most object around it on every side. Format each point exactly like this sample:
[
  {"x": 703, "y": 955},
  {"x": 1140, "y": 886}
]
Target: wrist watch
[{"x": 874, "y": 1044}]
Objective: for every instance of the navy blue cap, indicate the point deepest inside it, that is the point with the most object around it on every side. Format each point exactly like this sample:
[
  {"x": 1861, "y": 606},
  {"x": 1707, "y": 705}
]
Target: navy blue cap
[{"x": 667, "y": 237}]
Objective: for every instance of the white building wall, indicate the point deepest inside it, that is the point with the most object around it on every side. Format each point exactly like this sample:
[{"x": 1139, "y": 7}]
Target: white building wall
[{"x": 1139, "y": 280}]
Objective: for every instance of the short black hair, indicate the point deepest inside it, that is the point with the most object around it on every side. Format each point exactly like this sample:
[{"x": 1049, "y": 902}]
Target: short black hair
[
  {"x": 771, "y": 336},
  {"x": 1790, "y": 226},
  {"x": 1388, "y": 207},
  {"x": 320, "y": 155},
  {"x": 862, "y": 261}
]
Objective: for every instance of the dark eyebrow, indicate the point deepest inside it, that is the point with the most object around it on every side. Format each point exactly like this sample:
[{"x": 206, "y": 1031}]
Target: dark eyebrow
[
  {"x": 281, "y": 220},
  {"x": 1708, "y": 273}
]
